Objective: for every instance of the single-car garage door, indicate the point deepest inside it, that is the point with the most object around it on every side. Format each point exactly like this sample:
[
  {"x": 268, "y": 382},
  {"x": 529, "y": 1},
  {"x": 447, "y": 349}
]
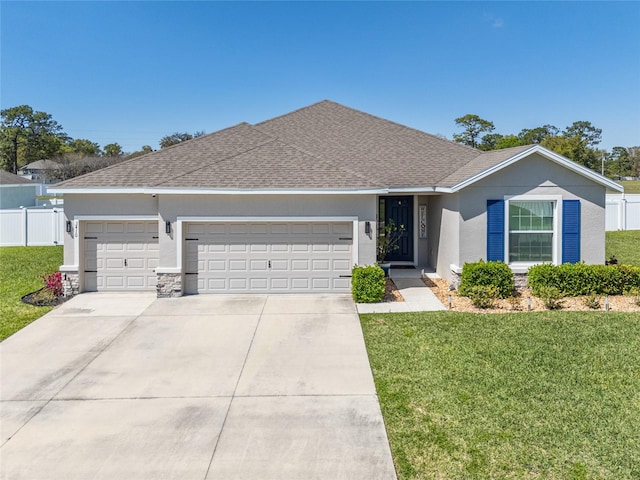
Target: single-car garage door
[
  {"x": 120, "y": 256},
  {"x": 268, "y": 257}
]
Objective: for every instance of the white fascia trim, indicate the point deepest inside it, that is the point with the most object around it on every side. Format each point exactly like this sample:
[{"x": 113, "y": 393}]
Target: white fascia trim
[
  {"x": 216, "y": 191},
  {"x": 69, "y": 268},
  {"x": 180, "y": 220},
  {"x": 124, "y": 218},
  {"x": 177, "y": 270},
  {"x": 549, "y": 155},
  {"x": 243, "y": 219}
]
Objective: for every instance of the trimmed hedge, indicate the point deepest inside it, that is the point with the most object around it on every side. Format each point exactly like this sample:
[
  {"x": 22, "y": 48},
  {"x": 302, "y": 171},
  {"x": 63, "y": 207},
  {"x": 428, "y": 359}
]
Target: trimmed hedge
[
  {"x": 581, "y": 279},
  {"x": 367, "y": 284},
  {"x": 487, "y": 274}
]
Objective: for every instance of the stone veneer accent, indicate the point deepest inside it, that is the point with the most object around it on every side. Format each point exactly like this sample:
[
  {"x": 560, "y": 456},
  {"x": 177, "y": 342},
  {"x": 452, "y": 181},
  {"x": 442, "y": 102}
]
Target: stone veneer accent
[
  {"x": 70, "y": 284},
  {"x": 169, "y": 285}
]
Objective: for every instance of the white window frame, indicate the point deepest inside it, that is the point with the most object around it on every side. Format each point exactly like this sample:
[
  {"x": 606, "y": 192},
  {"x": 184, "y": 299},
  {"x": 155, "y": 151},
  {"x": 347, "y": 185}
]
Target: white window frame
[{"x": 523, "y": 267}]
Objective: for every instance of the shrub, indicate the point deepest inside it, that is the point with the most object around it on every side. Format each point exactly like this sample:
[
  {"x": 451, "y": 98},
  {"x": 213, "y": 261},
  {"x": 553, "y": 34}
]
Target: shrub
[
  {"x": 634, "y": 293},
  {"x": 487, "y": 274},
  {"x": 592, "y": 301},
  {"x": 483, "y": 296},
  {"x": 367, "y": 284},
  {"x": 580, "y": 279},
  {"x": 551, "y": 297},
  {"x": 53, "y": 284}
]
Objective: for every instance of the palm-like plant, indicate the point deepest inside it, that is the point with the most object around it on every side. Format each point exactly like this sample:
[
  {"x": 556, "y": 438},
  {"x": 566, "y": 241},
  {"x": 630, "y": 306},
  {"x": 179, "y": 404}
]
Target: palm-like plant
[{"x": 388, "y": 242}]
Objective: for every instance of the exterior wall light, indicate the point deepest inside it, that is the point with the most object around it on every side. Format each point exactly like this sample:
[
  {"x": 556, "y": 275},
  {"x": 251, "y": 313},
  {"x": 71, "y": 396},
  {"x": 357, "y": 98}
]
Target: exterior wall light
[
  {"x": 367, "y": 228},
  {"x": 167, "y": 227},
  {"x": 68, "y": 226}
]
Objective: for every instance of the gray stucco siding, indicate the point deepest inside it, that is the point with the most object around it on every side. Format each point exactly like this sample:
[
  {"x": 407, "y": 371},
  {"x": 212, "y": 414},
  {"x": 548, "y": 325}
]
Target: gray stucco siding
[
  {"x": 532, "y": 176},
  {"x": 362, "y": 207},
  {"x": 443, "y": 231},
  {"x": 103, "y": 205}
]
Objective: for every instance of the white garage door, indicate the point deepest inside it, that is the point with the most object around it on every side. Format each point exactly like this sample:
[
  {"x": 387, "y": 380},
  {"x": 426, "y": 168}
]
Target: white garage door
[
  {"x": 120, "y": 256},
  {"x": 268, "y": 257}
]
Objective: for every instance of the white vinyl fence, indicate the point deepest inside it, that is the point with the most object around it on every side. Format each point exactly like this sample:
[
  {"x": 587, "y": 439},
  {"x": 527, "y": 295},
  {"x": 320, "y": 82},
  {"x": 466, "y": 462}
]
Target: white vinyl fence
[
  {"x": 31, "y": 227},
  {"x": 622, "y": 212}
]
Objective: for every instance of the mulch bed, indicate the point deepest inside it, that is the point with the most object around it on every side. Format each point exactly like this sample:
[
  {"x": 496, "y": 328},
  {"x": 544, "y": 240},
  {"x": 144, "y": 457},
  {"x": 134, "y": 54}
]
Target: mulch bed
[
  {"x": 519, "y": 303},
  {"x": 42, "y": 298},
  {"x": 391, "y": 293}
]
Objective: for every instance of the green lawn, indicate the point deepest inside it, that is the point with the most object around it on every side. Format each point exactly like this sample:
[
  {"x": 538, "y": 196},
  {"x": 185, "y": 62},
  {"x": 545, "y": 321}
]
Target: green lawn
[
  {"x": 625, "y": 246},
  {"x": 21, "y": 269},
  {"x": 532, "y": 395},
  {"x": 631, "y": 186}
]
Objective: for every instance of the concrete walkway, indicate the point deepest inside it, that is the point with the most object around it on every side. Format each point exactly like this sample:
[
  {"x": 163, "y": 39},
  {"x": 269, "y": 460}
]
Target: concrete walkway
[
  {"x": 417, "y": 296},
  {"x": 113, "y": 386}
]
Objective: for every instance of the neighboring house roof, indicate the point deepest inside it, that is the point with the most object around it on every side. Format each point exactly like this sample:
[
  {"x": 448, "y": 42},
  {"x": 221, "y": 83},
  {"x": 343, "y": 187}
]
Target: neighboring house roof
[
  {"x": 40, "y": 165},
  {"x": 8, "y": 178},
  {"x": 323, "y": 146}
]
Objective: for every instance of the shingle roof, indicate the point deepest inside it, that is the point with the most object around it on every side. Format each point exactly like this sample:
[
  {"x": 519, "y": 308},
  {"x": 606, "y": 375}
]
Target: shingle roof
[
  {"x": 322, "y": 146},
  {"x": 481, "y": 163},
  {"x": 8, "y": 178}
]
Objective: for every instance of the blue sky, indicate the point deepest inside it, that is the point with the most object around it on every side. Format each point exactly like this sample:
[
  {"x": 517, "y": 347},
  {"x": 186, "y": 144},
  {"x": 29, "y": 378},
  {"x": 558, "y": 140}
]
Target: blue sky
[{"x": 132, "y": 72}]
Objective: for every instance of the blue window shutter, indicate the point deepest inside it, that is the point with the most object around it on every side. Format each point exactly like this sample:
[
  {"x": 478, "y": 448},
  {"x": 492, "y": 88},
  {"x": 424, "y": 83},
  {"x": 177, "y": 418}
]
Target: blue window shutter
[
  {"x": 495, "y": 230},
  {"x": 570, "y": 231}
]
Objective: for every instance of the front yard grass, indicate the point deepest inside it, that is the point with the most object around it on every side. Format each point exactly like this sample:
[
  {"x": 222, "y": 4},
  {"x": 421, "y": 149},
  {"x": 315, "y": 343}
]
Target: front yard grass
[
  {"x": 625, "y": 245},
  {"x": 530, "y": 395},
  {"x": 21, "y": 269}
]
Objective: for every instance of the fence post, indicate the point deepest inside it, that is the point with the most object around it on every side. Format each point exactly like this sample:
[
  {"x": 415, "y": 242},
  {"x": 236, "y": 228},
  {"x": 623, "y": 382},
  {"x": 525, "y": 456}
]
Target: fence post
[
  {"x": 623, "y": 209},
  {"x": 25, "y": 227}
]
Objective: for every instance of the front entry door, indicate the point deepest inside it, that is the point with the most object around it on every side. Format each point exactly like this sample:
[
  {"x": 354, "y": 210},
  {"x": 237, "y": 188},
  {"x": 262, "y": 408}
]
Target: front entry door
[{"x": 400, "y": 210}]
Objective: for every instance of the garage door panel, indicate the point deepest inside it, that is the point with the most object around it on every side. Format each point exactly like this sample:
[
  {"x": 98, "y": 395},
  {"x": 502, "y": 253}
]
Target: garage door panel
[
  {"x": 300, "y": 265},
  {"x": 114, "y": 263},
  {"x": 120, "y": 255},
  {"x": 270, "y": 257},
  {"x": 259, "y": 265},
  {"x": 238, "y": 265},
  {"x": 115, "y": 227}
]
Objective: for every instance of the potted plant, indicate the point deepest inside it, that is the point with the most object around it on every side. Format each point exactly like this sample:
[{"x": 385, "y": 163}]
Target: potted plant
[{"x": 388, "y": 243}]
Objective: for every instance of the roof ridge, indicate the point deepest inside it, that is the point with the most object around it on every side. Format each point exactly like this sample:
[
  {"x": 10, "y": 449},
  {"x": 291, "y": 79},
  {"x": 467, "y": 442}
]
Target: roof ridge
[
  {"x": 405, "y": 127},
  {"x": 292, "y": 112}
]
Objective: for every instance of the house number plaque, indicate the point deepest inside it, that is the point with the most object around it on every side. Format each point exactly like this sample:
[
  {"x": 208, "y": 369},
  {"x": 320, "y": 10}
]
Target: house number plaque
[{"x": 422, "y": 218}]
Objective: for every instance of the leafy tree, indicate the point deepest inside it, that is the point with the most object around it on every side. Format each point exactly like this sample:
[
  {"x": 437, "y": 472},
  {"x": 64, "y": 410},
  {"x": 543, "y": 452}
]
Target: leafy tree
[
  {"x": 619, "y": 162},
  {"x": 535, "y": 136},
  {"x": 27, "y": 135},
  {"x": 112, "y": 150},
  {"x": 490, "y": 141},
  {"x": 84, "y": 147},
  {"x": 634, "y": 155},
  {"x": 143, "y": 151},
  {"x": 509, "y": 141},
  {"x": 175, "y": 138},
  {"x": 474, "y": 126}
]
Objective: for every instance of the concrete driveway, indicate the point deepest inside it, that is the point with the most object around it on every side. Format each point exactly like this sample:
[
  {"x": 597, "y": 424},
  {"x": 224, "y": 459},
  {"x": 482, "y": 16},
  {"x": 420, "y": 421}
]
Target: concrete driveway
[{"x": 113, "y": 386}]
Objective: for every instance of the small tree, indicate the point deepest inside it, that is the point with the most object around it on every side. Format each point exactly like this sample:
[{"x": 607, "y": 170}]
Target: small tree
[{"x": 388, "y": 242}]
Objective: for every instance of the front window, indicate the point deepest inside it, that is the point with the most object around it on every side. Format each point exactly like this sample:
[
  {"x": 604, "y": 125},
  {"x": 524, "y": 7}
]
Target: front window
[{"x": 531, "y": 230}]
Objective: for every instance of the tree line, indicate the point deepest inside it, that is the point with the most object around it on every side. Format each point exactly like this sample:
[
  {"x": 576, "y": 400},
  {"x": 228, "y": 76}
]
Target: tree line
[
  {"x": 27, "y": 135},
  {"x": 577, "y": 142}
]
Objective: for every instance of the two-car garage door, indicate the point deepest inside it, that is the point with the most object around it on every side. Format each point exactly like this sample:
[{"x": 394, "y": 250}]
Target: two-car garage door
[{"x": 268, "y": 257}]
